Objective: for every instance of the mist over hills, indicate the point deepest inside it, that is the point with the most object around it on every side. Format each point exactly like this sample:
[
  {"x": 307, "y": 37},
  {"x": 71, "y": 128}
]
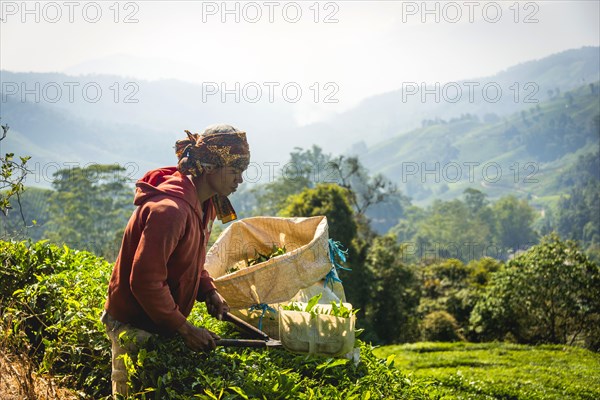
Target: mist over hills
[
  {"x": 105, "y": 118},
  {"x": 521, "y": 154},
  {"x": 380, "y": 117}
]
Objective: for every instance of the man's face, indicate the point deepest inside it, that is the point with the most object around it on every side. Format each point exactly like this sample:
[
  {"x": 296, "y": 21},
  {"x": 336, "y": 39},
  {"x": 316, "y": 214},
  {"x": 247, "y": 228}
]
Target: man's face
[{"x": 225, "y": 180}]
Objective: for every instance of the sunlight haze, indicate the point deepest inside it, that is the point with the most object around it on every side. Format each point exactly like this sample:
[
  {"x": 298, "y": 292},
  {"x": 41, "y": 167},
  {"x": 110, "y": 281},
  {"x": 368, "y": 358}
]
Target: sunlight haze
[{"x": 362, "y": 48}]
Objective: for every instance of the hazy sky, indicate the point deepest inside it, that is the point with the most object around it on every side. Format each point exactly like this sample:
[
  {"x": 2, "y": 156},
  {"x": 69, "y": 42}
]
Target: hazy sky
[{"x": 339, "y": 50}]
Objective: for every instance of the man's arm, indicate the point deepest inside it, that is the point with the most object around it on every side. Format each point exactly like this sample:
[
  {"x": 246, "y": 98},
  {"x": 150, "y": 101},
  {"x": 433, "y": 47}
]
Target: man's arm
[
  {"x": 197, "y": 338},
  {"x": 216, "y": 305},
  {"x": 164, "y": 226}
]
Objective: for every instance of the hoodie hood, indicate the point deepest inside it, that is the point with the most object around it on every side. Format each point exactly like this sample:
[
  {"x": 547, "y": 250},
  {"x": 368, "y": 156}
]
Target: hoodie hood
[
  {"x": 165, "y": 181},
  {"x": 169, "y": 181}
]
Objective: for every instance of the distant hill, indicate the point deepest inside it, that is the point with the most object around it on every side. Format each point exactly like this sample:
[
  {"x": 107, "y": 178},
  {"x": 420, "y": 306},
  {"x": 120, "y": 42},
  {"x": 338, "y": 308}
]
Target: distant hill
[
  {"x": 130, "y": 122},
  {"x": 381, "y": 117},
  {"x": 522, "y": 153},
  {"x": 136, "y": 122}
]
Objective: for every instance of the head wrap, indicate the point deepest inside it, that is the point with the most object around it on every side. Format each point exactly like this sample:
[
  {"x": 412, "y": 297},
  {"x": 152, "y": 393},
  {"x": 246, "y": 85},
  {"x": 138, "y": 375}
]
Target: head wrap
[{"x": 218, "y": 146}]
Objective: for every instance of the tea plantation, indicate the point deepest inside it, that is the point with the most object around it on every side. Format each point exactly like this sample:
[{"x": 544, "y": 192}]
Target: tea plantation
[
  {"x": 51, "y": 299},
  {"x": 501, "y": 370}
]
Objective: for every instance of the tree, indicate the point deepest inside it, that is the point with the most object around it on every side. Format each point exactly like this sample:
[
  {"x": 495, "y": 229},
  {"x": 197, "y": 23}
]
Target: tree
[
  {"x": 90, "y": 208},
  {"x": 308, "y": 168},
  {"x": 394, "y": 297},
  {"x": 453, "y": 287},
  {"x": 332, "y": 201},
  {"x": 476, "y": 200},
  {"x": 514, "y": 220},
  {"x": 549, "y": 294},
  {"x": 406, "y": 229},
  {"x": 452, "y": 230},
  {"x": 365, "y": 190},
  {"x": 12, "y": 175},
  {"x": 329, "y": 200},
  {"x": 305, "y": 169}
]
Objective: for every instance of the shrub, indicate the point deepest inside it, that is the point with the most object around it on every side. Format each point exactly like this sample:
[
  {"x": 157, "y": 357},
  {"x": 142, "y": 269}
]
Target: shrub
[
  {"x": 57, "y": 315},
  {"x": 439, "y": 326},
  {"x": 549, "y": 294},
  {"x": 21, "y": 262}
]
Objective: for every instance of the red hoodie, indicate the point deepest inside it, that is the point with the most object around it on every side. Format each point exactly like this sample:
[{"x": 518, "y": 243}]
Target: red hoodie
[{"x": 159, "y": 272}]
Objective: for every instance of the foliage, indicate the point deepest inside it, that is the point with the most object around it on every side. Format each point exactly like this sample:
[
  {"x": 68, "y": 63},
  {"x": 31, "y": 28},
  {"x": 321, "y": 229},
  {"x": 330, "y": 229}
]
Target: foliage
[
  {"x": 167, "y": 370},
  {"x": 90, "y": 208},
  {"x": 12, "y": 174},
  {"x": 445, "y": 287},
  {"x": 305, "y": 169},
  {"x": 550, "y": 137},
  {"x": 586, "y": 169},
  {"x": 54, "y": 298},
  {"x": 22, "y": 262},
  {"x": 34, "y": 207},
  {"x": 549, "y": 294},
  {"x": 513, "y": 223},
  {"x": 313, "y": 308},
  {"x": 451, "y": 286},
  {"x": 393, "y": 294},
  {"x": 258, "y": 258},
  {"x": 577, "y": 211},
  {"x": 501, "y": 371},
  {"x": 447, "y": 228},
  {"x": 468, "y": 229},
  {"x": 56, "y": 314},
  {"x": 439, "y": 326},
  {"x": 325, "y": 199}
]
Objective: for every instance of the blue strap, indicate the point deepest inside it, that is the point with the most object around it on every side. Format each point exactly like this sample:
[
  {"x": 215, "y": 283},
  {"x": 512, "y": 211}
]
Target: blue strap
[
  {"x": 335, "y": 251},
  {"x": 264, "y": 307}
]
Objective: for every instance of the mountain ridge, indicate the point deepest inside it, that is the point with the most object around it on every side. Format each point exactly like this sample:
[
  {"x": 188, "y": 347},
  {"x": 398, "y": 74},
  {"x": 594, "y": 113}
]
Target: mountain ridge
[{"x": 144, "y": 132}]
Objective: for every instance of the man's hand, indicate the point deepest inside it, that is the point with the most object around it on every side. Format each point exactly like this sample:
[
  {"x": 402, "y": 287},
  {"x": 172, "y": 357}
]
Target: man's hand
[
  {"x": 196, "y": 338},
  {"x": 216, "y": 305}
]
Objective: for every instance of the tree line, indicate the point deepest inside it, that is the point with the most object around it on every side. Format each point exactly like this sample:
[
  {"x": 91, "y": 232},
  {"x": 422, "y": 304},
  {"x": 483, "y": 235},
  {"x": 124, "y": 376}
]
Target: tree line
[{"x": 456, "y": 270}]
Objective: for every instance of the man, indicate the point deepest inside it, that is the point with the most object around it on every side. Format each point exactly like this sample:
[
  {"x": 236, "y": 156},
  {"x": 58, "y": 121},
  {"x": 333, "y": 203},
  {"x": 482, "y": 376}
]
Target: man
[{"x": 159, "y": 272}]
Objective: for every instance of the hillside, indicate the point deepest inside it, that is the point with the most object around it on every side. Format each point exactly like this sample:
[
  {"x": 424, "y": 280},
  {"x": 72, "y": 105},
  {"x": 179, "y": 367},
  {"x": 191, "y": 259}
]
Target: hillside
[
  {"x": 522, "y": 153},
  {"x": 136, "y": 122},
  {"x": 381, "y": 117},
  {"x": 124, "y": 120}
]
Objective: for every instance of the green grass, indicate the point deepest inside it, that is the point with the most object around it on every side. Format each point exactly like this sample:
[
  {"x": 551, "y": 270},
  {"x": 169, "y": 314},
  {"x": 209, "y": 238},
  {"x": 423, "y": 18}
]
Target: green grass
[{"x": 501, "y": 371}]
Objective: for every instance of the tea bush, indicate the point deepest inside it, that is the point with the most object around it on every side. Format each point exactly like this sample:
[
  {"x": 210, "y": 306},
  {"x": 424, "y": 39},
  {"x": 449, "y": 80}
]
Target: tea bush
[
  {"x": 52, "y": 298},
  {"x": 21, "y": 262},
  {"x": 485, "y": 371},
  {"x": 54, "y": 312}
]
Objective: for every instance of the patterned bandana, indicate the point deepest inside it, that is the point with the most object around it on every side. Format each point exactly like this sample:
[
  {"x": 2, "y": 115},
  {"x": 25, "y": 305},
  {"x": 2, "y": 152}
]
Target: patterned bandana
[{"x": 220, "y": 146}]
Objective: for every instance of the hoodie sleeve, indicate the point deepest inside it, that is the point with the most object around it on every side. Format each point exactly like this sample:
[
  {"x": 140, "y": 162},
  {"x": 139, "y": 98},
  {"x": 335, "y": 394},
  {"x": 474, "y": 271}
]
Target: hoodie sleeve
[
  {"x": 206, "y": 282},
  {"x": 206, "y": 286},
  {"x": 164, "y": 226}
]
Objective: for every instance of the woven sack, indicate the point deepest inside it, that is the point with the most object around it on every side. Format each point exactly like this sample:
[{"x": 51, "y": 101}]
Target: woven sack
[
  {"x": 318, "y": 334},
  {"x": 268, "y": 320},
  {"x": 279, "y": 279}
]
